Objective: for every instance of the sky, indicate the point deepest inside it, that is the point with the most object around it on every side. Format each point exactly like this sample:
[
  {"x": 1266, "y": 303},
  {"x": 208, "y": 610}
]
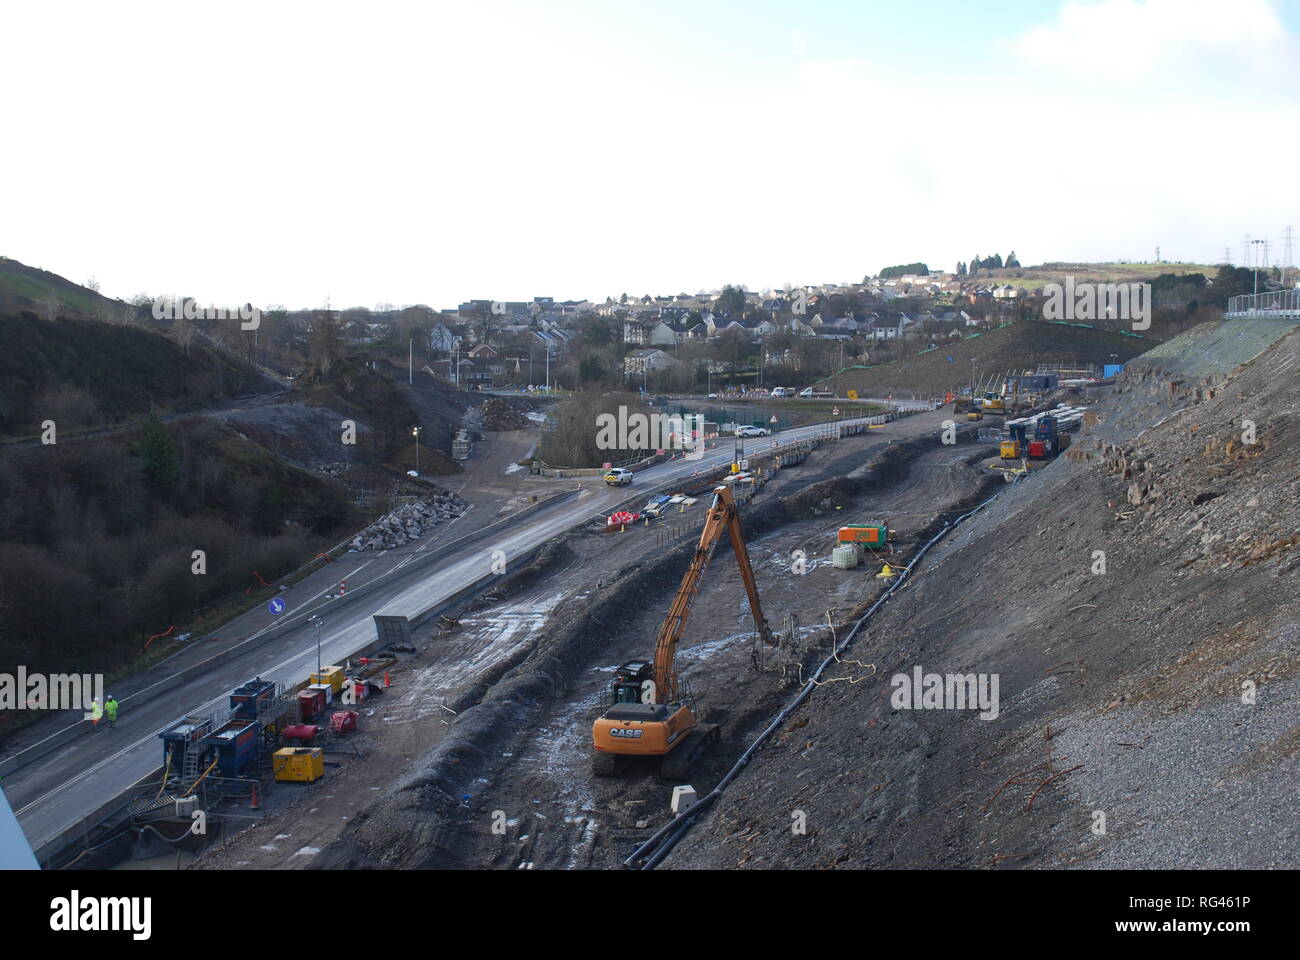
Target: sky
[{"x": 298, "y": 153}]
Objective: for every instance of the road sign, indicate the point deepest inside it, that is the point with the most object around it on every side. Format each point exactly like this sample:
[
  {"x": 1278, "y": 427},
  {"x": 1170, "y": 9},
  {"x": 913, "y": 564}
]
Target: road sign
[
  {"x": 773, "y": 420},
  {"x": 853, "y": 394},
  {"x": 276, "y": 606},
  {"x": 835, "y": 411}
]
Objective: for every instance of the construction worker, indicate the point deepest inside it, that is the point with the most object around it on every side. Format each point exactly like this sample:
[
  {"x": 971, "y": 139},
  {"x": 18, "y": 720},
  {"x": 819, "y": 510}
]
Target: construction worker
[
  {"x": 110, "y": 708},
  {"x": 96, "y": 713}
]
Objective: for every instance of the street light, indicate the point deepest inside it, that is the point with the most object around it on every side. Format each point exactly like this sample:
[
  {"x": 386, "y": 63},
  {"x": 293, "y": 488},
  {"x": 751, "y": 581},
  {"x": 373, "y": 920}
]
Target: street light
[
  {"x": 415, "y": 432},
  {"x": 1256, "y": 259},
  {"x": 318, "y": 623}
]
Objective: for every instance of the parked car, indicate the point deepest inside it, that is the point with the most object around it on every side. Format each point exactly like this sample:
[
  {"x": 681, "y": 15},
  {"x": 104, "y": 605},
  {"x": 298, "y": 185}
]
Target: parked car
[
  {"x": 748, "y": 431},
  {"x": 780, "y": 392},
  {"x": 618, "y": 477},
  {"x": 809, "y": 393}
]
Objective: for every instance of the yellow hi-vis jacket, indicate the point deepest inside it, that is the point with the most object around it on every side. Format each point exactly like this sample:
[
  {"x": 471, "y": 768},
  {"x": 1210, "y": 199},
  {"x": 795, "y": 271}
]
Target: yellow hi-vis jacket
[
  {"x": 96, "y": 709},
  {"x": 111, "y": 709}
]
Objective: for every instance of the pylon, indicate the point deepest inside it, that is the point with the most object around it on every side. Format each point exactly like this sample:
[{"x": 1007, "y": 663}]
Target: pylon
[
  {"x": 387, "y": 681},
  {"x": 255, "y": 803},
  {"x": 886, "y": 574}
]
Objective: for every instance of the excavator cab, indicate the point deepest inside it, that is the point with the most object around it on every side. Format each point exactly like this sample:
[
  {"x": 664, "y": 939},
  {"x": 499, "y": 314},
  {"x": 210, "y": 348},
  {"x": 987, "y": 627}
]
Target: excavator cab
[{"x": 630, "y": 682}]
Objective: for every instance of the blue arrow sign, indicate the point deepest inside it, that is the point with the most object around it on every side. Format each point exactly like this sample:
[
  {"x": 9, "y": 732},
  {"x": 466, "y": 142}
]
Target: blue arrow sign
[{"x": 276, "y": 606}]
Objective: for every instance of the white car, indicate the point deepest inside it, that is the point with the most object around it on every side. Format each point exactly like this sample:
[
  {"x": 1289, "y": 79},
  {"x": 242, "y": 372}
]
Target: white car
[
  {"x": 618, "y": 477},
  {"x": 748, "y": 431}
]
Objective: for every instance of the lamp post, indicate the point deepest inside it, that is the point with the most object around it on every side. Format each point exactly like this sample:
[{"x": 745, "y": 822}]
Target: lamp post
[
  {"x": 318, "y": 623},
  {"x": 415, "y": 432},
  {"x": 1256, "y": 259}
]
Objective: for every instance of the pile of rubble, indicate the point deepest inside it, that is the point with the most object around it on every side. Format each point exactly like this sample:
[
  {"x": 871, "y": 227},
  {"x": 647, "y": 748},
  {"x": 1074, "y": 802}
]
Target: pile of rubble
[
  {"x": 499, "y": 415},
  {"x": 410, "y": 522}
]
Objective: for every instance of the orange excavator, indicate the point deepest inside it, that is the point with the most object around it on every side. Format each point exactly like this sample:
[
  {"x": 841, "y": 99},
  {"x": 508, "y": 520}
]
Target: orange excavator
[{"x": 650, "y": 715}]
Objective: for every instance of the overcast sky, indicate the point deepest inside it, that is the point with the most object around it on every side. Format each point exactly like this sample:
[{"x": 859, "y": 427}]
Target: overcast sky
[{"x": 430, "y": 153}]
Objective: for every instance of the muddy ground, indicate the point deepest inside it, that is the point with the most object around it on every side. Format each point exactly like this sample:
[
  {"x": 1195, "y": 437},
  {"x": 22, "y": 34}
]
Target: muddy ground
[{"x": 516, "y": 752}]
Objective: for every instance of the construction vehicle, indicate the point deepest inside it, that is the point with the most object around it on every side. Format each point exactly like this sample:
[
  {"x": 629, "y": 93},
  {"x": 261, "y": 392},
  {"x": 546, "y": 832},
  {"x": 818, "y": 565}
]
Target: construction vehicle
[
  {"x": 650, "y": 713},
  {"x": 975, "y": 411},
  {"x": 994, "y": 403}
]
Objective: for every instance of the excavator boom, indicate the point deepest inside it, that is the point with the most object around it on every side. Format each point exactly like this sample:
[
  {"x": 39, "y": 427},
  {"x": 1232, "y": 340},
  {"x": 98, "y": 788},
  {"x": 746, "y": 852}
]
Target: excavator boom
[{"x": 723, "y": 515}]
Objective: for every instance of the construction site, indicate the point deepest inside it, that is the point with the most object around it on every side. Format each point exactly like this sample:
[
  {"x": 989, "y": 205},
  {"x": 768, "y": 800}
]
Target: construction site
[{"x": 707, "y": 673}]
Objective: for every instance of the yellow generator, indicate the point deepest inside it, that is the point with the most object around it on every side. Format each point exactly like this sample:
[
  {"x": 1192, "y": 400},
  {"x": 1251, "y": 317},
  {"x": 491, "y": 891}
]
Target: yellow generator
[
  {"x": 1011, "y": 450},
  {"x": 298, "y": 764},
  {"x": 331, "y": 675}
]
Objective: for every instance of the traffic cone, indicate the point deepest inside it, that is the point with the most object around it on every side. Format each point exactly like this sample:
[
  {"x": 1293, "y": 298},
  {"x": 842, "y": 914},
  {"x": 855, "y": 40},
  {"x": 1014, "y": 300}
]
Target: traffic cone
[
  {"x": 387, "y": 681},
  {"x": 255, "y": 803},
  {"x": 886, "y": 574}
]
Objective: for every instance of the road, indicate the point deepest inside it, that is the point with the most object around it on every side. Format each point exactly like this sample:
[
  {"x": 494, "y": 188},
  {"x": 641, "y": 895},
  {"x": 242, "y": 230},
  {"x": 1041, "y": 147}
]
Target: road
[{"x": 55, "y": 792}]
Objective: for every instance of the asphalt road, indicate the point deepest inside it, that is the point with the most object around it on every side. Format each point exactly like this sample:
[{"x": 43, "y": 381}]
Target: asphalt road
[{"x": 55, "y": 792}]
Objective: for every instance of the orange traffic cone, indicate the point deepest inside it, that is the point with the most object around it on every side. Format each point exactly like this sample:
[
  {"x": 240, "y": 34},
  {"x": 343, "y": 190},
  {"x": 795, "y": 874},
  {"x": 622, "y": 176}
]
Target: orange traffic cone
[
  {"x": 387, "y": 681},
  {"x": 255, "y": 803}
]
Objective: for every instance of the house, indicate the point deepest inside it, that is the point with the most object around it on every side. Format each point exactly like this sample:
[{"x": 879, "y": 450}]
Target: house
[
  {"x": 472, "y": 375},
  {"x": 886, "y": 328},
  {"x": 1008, "y": 292},
  {"x": 645, "y": 359},
  {"x": 483, "y": 352}
]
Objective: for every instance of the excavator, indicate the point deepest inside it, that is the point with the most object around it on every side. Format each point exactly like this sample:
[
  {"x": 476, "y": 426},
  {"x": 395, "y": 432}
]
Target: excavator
[{"x": 649, "y": 714}]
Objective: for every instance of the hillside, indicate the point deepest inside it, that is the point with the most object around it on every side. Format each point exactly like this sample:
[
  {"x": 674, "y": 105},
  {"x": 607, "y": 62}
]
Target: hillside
[
  {"x": 1037, "y": 276},
  {"x": 107, "y": 527},
  {"x": 1146, "y": 714},
  {"x": 48, "y": 294},
  {"x": 84, "y": 373},
  {"x": 1017, "y": 346}
]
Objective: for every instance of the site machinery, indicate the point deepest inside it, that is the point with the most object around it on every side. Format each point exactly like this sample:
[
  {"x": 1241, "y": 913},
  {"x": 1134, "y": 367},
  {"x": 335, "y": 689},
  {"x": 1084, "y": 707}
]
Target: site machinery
[{"x": 649, "y": 713}]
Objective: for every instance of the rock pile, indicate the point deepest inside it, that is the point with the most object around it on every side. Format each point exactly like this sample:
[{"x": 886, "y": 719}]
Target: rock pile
[{"x": 410, "y": 522}]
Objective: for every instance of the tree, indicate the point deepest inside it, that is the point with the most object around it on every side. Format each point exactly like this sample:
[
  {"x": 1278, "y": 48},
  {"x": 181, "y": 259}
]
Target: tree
[
  {"x": 1011, "y": 260},
  {"x": 323, "y": 347},
  {"x": 161, "y": 456},
  {"x": 731, "y": 301}
]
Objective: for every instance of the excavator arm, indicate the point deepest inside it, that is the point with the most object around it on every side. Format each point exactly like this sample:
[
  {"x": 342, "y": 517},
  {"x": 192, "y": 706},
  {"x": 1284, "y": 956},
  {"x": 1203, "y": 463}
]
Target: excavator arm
[{"x": 723, "y": 515}]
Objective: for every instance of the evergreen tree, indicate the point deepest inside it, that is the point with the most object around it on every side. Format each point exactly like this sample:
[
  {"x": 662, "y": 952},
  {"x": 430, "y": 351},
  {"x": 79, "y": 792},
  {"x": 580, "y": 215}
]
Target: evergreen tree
[
  {"x": 162, "y": 458},
  {"x": 1011, "y": 259}
]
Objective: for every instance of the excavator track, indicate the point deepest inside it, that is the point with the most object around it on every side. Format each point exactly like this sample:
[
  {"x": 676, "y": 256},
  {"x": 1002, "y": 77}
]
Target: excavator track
[
  {"x": 676, "y": 766},
  {"x": 604, "y": 763}
]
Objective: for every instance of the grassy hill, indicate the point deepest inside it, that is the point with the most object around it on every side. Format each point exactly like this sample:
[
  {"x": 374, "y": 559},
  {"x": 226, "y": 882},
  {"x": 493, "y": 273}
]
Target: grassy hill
[
  {"x": 48, "y": 294},
  {"x": 1015, "y": 347},
  {"x": 1031, "y": 278}
]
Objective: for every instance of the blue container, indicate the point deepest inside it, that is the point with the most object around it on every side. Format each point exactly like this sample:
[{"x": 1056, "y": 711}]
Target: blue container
[
  {"x": 235, "y": 744},
  {"x": 1111, "y": 370},
  {"x": 185, "y": 731},
  {"x": 244, "y": 699}
]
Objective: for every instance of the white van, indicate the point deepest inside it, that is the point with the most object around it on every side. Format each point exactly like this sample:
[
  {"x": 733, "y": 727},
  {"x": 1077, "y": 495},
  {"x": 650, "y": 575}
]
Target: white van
[
  {"x": 810, "y": 393},
  {"x": 781, "y": 392}
]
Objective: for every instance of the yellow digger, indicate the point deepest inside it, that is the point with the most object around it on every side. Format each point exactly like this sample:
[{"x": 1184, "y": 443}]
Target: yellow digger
[{"x": 648, "y": 713}]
